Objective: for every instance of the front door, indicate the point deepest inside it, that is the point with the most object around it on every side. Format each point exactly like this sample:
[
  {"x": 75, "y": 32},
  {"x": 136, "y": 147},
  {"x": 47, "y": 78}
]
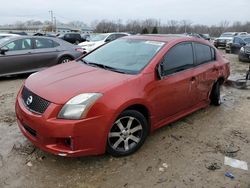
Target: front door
[
  {"x": 19, "y": 57},
  {"x": 173, "y": 93}
]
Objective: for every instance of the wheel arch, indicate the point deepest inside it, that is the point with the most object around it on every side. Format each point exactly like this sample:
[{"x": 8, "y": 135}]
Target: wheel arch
[
  {"x": 63, "y": 56},
  {"x": 140, "y": 107},
  {"x": 221, "y": 80}
]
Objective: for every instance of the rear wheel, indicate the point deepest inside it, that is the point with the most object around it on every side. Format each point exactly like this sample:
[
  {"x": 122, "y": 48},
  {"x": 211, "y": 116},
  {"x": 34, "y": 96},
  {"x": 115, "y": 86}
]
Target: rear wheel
[
  {"x": 127, "y": 134},
  {"x": 65, "y": 59},
  {"x": 215, "y": 94}
]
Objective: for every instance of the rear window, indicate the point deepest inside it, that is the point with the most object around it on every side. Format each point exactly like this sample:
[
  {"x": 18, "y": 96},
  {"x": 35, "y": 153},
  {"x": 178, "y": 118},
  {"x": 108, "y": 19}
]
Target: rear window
[
  {"x": 204, "y": 53},
  {"x": 43, "y": 43}
]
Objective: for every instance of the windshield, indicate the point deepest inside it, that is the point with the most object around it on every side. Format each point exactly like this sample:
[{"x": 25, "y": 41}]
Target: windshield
[
  {"x": 99, "y": 37},
  {"x": 247, "y": 40},
  {"x": 127, "y": 55},
  {"x": 4, "y": 39}
]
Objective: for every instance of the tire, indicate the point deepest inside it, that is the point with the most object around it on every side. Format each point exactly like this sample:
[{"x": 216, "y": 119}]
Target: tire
[
  {"x": 215, "y": 94},
  {"x": 127, "y": 134},
  {"x": 77, "y": 42},
  {"x": 228, "y": 51},
  {"x": 64, "y": 59}
]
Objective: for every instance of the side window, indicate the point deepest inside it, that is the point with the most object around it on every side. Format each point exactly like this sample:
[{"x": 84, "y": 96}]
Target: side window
[
  {"x": 247, "y": 40},
  {"x": 43, "y": 43},
  {"x": 204, "y": 53},
  {"x": 238, "y": 40},
  {"x": 120, "y": 35},
  {"x": 21, "y": 44},
  {"x": 111, "y": 38},
  {"x": 67, "y": 36},
  {"x": 178, "y": 58},
  {"x": 56, "y": 44}
]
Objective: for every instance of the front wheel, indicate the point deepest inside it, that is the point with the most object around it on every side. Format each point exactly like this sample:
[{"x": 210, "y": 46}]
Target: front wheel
[
  {"x": 127, "y": 134},
  {"x": 65, "y": 60},
  {"x": 215, "y": 94}
]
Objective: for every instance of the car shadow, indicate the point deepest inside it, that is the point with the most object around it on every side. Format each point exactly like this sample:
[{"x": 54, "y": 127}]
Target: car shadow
[{"x": 15, "y": 77}]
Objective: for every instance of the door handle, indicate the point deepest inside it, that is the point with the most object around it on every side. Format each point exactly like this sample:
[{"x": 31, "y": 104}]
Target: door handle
[
  {"x": 193, "y": 78},
  {"x": 215, "y": 69}
]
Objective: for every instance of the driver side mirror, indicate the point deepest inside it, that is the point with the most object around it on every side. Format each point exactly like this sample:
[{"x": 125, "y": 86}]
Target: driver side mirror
[
  {"x": 159, "y": 70},
  {"x": 4, "y": 50}
]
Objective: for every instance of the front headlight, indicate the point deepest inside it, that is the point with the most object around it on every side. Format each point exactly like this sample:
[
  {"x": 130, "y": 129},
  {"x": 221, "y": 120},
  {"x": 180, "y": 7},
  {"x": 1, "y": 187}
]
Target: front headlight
[
  {"x": 242, "y": 49},
  {"x": 77, "y": 107}
]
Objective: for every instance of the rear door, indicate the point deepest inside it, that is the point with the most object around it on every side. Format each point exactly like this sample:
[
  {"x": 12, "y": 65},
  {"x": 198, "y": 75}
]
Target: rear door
[
  {"x": 173, "y": 91},
  {"x": 46, "y": 52},
  {"x": 19, "y": 58},
  {"x": 205, "y": 72}
]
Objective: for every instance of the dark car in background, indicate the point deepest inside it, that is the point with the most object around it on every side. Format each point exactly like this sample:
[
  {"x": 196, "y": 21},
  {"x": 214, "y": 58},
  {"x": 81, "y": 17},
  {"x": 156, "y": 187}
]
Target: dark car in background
[
  {"x": 224, "y": 38},
  {"x": 238, "y": 42},
  {"x": 73, "y": 38},
  {"x": 244, "y": 53},
  {"x": 25, "y": 54},
  {"x": 18, "y": 33},
  {"x": 205, "y": 36}
]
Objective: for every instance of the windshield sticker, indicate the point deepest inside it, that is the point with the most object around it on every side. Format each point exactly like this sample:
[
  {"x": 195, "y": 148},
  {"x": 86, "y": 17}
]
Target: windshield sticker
[{"x": 156, "y": 43}]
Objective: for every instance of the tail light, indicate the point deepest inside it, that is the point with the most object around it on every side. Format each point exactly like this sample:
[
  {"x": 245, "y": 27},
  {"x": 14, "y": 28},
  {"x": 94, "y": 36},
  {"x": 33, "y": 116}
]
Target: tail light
[{"x": 81, "y": 50}]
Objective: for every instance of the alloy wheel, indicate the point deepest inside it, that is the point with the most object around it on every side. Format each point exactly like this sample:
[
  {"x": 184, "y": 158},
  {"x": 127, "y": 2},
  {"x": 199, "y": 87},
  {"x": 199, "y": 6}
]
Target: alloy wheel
[{"x": 125, "y": 134}]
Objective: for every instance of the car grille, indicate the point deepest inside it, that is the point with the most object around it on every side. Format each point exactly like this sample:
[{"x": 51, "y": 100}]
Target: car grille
[
  {"x": 33, "y": 102},
  {"x": 247, "y": 49}
]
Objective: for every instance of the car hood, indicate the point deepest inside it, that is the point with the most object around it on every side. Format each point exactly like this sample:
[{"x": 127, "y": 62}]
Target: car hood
[{"x": 60, "y": 83}]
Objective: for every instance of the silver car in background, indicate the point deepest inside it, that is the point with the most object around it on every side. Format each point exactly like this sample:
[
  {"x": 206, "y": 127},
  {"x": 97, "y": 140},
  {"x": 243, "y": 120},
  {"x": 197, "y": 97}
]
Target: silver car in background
[
  {"x": 26, "y": 54},
  {"x": 3, "y": 35}
]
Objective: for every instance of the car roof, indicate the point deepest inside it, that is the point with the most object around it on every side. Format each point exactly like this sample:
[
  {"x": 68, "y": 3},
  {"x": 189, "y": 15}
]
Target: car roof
[
  {"x": 242, "y": 36},
  {"x": 13, "y": 38},
  {"x": 28, "y": 36},
  {"x": 164, "y": 37},
  {"x": 8, "y": 34},
  {"x": 112, "y": 33}
]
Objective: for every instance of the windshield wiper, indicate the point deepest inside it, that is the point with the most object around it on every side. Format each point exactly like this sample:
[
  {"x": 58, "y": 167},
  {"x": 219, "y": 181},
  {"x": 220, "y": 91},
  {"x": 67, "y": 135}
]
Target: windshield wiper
[{"x": 106, "y": 67}]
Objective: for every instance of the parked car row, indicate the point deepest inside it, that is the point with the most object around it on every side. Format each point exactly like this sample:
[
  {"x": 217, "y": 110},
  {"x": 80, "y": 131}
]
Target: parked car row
[
  {"x": 227, "y": 37},
  {"x": 237, "y": 43}
]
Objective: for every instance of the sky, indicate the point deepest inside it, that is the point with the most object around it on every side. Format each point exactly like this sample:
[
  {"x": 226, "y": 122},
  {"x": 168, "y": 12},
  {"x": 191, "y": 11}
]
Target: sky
[{"x": 208, "y": 12}]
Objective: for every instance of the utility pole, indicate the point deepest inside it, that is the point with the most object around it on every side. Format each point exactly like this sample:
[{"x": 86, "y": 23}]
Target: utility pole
[
  {"x": 51, "y": 14},
  {"x": 55, "y": 24}
]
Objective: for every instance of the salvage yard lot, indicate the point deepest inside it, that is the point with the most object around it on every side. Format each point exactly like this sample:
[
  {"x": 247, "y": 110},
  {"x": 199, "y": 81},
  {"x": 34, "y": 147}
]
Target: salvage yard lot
[{"x": 182, "y": 154}]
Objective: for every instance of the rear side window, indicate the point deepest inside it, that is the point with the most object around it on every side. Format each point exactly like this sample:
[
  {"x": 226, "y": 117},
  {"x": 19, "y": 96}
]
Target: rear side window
[
  {"x": 178, "y": 58},
  {"x": 204, "y": 53},
  {"x": 43, "y": 43}
]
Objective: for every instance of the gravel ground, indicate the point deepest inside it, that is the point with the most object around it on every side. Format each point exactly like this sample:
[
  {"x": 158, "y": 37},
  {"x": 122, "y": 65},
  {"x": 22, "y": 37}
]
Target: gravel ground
[{"x": 188, "y": 153}]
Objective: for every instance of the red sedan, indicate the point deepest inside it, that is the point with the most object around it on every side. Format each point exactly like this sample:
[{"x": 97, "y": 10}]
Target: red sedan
[{"x": 112, "y": 98}]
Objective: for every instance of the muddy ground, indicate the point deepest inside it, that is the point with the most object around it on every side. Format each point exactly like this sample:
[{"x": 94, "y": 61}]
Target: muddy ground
[{"x": 184, "y": 154}]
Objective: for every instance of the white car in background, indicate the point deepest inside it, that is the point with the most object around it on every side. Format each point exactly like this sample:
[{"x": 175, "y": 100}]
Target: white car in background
[
  {"x": 3, "y": 35},
  {"x": 100, "y": 39}
]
